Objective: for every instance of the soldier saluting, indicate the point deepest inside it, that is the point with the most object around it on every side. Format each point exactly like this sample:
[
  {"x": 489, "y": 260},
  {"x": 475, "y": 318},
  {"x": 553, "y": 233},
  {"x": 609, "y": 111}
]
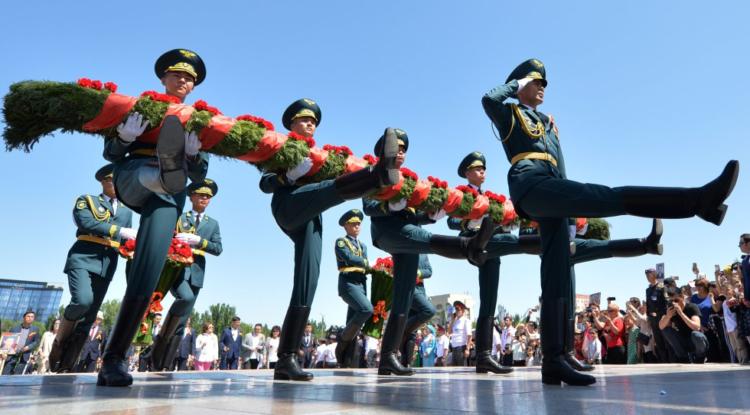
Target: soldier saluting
[{"x": 541, "y": 191}]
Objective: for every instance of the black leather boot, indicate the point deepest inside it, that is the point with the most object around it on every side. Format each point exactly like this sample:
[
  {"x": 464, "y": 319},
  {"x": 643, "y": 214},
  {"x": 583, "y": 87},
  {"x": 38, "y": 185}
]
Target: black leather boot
[
  {"x": 555, "y": 366},
  {"x": 72, "y": 352},
  {"x": 64, "y": 332},
  {"x": 114, "y": 371},
  {"x": 162, "y": 342},
  {"x": 372, "y": 178},
  {"x": 407, "y": 349},
  {"x": 394, "y": 331},
  {"x": 622, "y": 248},
  {"x": 485, "y": 362},
  {"x": 707, "y": 202},
  {"x": 461, "y": 247},
  {"x": 346, "y": 345},
  {"x": 170, "y": 150},
  {"x": 287, "y": 367}
]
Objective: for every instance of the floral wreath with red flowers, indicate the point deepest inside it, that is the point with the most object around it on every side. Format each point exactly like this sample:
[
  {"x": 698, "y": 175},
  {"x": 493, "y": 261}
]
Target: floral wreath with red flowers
[
  {"x": 257, "y": 120},
  {"x": 202, "y": 105},
  {"x": 155, "y": 96},
  {"x": 299, "y": 137},
  {"x": 97, "y": 85},
  {"x": 343, "y": 150}
]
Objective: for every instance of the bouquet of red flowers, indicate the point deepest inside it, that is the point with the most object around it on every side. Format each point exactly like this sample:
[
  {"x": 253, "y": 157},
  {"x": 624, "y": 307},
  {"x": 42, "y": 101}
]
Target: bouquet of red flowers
[
  {"x": 180, "y": 255},
  {"x": 380, "y": 296},
  {"x": 127, "y": 249}
]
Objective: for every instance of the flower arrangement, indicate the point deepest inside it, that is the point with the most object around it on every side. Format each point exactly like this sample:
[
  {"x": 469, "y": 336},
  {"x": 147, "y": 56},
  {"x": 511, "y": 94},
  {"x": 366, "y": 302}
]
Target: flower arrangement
[
  {"x": 380, "y": 296},
  {"x": 179, "y": 256},
  {"x": 34, "y": 109}
]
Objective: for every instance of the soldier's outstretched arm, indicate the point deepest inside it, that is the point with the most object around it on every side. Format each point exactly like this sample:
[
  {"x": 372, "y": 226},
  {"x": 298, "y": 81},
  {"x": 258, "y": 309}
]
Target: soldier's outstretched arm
[
  {"x": 375, "y": 208},
  {"x": 493, "y": 101}
]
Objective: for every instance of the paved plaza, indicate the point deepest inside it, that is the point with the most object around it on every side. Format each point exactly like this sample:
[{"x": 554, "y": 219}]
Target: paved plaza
[{"x": 641, "y": 389}]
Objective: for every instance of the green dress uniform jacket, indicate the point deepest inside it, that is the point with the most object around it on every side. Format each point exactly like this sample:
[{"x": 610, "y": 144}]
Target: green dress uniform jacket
[
  {"x": 208, "y": 230},
  {"x": 97, "y": 231}
]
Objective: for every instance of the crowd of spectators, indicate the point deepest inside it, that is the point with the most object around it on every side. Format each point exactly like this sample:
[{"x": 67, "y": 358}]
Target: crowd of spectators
[{"x": 705, "y": 320}]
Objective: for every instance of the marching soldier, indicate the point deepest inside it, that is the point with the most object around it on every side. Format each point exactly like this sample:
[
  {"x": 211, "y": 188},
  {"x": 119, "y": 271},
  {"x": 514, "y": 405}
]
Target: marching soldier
[
  {"x": 397, "y": 230},
  {"x": 297, "y": 209},
  {"x": 541, "y": 191},
  {"x": 102, "y": 223},
  {"x": 202, "y": 233},
  {"x": 351, "y": 258},
  {"x": 150, "y": 178}
]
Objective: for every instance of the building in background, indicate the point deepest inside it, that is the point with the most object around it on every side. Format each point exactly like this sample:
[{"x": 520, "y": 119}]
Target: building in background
[
  {"x": 444, "y": 306},
  {"x": 17, "y": 296}
]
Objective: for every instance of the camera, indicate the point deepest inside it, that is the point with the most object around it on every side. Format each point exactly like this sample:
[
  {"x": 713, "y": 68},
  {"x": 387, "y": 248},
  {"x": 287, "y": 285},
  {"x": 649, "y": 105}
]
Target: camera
[{"x": 722, "y": 298}]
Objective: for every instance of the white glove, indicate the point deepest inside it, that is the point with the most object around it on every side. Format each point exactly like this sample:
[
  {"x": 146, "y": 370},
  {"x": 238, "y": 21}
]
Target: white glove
[
  {"x": 474, "y": 224},
  {"x": 188, "y": 238},
  {"x": 128, "y": 233},
  {"x": 397, "y": 206},
  {"x": 572, "y": 232},
  {"x": 436, "y": 216},
  {"x": 299, "y": 170},
  {"x": 134, "y": 126},
  {"x": 523, "y": 82},
  {"x": 192, "y": 144}
]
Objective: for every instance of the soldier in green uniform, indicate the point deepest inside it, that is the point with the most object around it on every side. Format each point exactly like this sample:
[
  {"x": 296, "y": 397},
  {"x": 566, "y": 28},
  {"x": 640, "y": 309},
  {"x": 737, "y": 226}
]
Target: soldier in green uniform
[
  {"x": 541, "y": 191},
  {"x": 351, "y": 258},
  {"x": 202, "y": 232},
  {"x": 421, "y": 311},
  {"x": 151, "y": 179},
  {"x": 297, "y": 209},
  {"x": 397, "y": 230},
  {"x": 502, "y": 243},
  {"x": 102, "y": 222}
]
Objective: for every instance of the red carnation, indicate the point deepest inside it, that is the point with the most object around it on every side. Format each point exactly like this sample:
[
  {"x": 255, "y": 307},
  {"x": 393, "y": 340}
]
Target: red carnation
[
  {"x": 96, "y": 84},
  {"x": 260, "y": 121},
  {"x": 370, "y": 159},
  {"x": 110, "y": 86},
  {"x": 309, "y": 140},
  {"x": 202, "y": 105},
  {"x": 467, "y": 189},
  {"x": 84, "y": 82},
  {"x": 160, "y": 97},
  {"x": 408, "y": 173}
]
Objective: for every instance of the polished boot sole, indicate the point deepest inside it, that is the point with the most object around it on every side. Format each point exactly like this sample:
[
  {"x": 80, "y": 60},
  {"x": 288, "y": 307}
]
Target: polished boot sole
[
  {"x": 282, "y": 376},
  {"x": 170, "y": 149},
  {"x": 496, "y": 371},
  {"x": 556, "y": 380},
  {"x": 387, "y": 372},
  {"x": 100, "y": 381}
]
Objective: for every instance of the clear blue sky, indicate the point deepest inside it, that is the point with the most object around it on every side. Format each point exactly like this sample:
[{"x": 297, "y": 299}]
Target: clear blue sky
[{"x": 643, "y": 92}]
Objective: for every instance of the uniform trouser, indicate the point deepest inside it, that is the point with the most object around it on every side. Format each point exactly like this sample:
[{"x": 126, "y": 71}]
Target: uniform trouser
[
  {"x": 297, "y": 212},
  {"x": 421, "y": 310},
  {"x": 87, "y": 291},
  {"x": 158, "y": 218},
  {"x": 354, "y": 293},
  {"x": 404, "y": 242},
  {"x": 185, "y": 295}
]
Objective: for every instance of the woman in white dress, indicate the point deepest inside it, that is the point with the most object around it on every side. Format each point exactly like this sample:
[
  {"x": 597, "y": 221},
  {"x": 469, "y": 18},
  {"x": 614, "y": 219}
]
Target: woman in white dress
[{"x": 206, "y": 348}]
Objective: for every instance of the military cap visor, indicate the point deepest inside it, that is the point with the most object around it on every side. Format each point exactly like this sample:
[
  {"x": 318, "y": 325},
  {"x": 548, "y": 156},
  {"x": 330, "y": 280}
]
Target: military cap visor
[
  {"x": 304, "y": 107},
  {"x": 104, "y": 172},
  {"x": 531, "y": 68},
  {"x": 352, "y": 216},
  {"x": 181, "y": 60},
  {"x": 475, "y": 159},
  {"x": 205, "y": 187}
]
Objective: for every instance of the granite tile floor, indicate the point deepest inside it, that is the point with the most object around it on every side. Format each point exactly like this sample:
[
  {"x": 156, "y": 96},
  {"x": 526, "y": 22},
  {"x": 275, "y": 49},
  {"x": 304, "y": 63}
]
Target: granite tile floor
[{"x": 642, "y": 389}]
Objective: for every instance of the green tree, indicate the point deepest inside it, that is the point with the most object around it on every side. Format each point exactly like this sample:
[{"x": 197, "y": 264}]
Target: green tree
[
  {"x": 221, "y": 316},
  {"x": 110, "y": 309}
]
